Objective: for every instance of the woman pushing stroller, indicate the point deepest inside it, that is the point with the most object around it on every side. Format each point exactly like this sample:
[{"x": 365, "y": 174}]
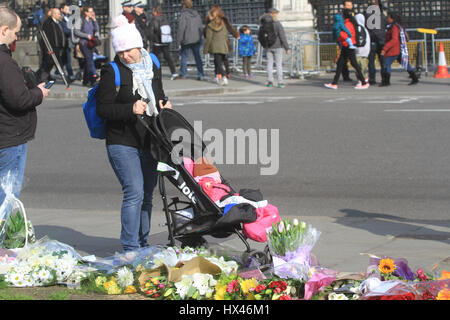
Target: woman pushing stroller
[{"x": 127, "y": 140}]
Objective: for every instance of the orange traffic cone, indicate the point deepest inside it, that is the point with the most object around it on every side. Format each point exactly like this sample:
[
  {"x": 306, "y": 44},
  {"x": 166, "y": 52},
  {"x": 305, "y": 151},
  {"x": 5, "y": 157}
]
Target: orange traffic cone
[{"x": 442, "y": 72}]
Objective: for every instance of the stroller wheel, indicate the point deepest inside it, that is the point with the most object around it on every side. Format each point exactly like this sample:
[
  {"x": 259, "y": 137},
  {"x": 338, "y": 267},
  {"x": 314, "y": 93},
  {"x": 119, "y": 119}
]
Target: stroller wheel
[
  {"x": 258, "y": 255},
  {"x": 193, "y": 242}
]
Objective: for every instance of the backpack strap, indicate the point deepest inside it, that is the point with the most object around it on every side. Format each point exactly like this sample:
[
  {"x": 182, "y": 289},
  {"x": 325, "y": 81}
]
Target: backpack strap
[
  {"x": 155, "y": 60},
  {"x": 116, "y": 73}
]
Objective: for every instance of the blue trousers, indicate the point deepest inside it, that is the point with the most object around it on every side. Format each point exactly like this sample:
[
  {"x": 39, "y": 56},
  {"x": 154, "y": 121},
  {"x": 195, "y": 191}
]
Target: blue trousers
[
  {"x": 388, "y": 61},
  {"x": 184, "y": 51},
  {"x": 13, "y": 160},
  {"x": 136, "y": 171}
]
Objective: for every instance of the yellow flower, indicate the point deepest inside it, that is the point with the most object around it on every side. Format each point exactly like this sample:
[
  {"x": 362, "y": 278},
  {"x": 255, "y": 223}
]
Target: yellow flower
[
  {"x": 108, "y": 284},
  {"x": 130, "y": 289},
  {"x": 443, "y": 295},
  {"x": 248, "y": 284},
  {"x": 113, "y": 288},
  {"x": 220, "y": 292},
  {"x": 387, "y": 266},
  {"x": 100, "y": 281},
  {"x": 139, "y": 268},
  {"x": 445, "y": 275}
]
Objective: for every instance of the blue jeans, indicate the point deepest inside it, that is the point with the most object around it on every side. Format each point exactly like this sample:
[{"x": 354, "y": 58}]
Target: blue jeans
[
  {"x": 184, "y": 51},
  {"x": 89, "y": 67},
  {"x": 136, "y": 171},
  {"x": 388, "y": 61},
  {"x": 13, "y": 159}
]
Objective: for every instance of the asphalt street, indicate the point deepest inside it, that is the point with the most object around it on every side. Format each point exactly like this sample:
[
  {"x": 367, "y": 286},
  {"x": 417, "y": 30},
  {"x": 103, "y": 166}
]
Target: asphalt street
[{"x": 370, "y": 169}]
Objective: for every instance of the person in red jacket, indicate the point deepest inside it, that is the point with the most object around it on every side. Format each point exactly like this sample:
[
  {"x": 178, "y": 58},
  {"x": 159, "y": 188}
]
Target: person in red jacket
[
  {"x": 395, "y": 48},
  {"x": 348, "y": 54}
]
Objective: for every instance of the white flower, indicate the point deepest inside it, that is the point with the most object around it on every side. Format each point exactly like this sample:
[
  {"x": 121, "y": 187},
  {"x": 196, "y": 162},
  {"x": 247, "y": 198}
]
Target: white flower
[
  {"x": 295, "y": 222},
  {"x": 281, "y": 227},
  {"x": 183, "y": 285},
  {"x": 16, "y": 280},
  {"x": 334, "y": 296},
  {"x": 125, "y": 277},
  {"x": 355, "y": 297},
  {"x": 227, "y": 267},
  {"x": 204, "y": 283}
]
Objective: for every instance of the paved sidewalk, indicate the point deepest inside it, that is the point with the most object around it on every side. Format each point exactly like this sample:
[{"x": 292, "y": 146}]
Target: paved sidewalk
[{"x": 189, "y": 86}]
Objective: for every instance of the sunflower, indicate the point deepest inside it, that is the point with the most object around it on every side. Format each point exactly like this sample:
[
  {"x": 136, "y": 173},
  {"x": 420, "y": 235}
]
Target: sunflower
[{"x": 387, "y": 266}]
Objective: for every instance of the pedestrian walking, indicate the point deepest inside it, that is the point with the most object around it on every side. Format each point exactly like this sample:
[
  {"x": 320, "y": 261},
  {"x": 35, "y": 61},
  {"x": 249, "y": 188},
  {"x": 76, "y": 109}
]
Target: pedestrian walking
[
  {"x": 140, "y": 19},
  {"x": 362, "y": 53},
  {"x": 247, "y": 50},
  {"x": 217, "y": 43},
  {"x": 189, "y": 36},
  {"x": 127, "y": 7},
  {"x": 161, "y": 37},
  {"x": 348, "y": 54},
  {"x": 232, "y": 31},
  {"x": 69, "y": 44},
  {"x": 55, "y": 35},
  {"x": 274, "y": 42},
  {"x": 377, "y": 38},
  {"x": 128, "y": 142},
  {"x": 87, "y": 32},
  {"x": 348, "y": 6},
  {"x": 18, "y": 104},
  {"x": 396, "y": 48}
]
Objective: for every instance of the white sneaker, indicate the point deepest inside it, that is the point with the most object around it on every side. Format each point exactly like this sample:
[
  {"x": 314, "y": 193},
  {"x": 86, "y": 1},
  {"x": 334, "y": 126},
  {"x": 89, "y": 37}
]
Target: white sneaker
[
  {"x": 174, "y": 76},
  {"x": 217, "y": 80},
  {"x": 224, "y": 81}
]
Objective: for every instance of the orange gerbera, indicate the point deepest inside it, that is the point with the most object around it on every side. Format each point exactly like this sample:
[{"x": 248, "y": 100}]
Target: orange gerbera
[
  {"x": 445, "y": 275},
  {"x": 387, "y": 266},
  {"x": 444, "y": 294}
]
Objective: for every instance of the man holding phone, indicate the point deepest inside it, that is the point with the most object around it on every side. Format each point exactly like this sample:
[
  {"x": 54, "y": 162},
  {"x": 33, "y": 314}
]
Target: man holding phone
[{"x": 17, "y": 106}]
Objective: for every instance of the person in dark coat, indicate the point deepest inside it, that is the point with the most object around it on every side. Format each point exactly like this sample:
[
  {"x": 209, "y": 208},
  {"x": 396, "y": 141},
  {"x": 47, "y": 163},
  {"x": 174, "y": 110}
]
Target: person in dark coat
[
  {"x": 55, "y": 35},
  {"x": 156, "y": 43},
  {"x": 140, "y": 19},
  {"x": 128, "y": 143},
  {"x": 377, "y": 37},
  {"x": 18, "y": 104}
]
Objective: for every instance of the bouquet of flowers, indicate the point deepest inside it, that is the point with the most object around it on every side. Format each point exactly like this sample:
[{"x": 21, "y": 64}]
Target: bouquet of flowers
[
  {"x": 44, "y": 263},
  {"x": 120, "y": 282},
  {"x": 198, "y": 286},
  {"x": 15, "y": 230},
  {"x": 290, "y": 244}
]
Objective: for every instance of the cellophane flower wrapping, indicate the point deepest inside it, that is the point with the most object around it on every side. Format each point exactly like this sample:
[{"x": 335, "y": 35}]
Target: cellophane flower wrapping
[
  {"x": 407, "y": 290},
  {"x": 15, "y": 230},
  {"x": 290, "y": 244},
  {"x": 45, "y": 262}
]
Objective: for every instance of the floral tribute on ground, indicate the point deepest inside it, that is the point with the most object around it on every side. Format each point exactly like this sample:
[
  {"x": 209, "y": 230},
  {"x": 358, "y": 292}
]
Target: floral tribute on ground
[{"x": 219, "y": 273}]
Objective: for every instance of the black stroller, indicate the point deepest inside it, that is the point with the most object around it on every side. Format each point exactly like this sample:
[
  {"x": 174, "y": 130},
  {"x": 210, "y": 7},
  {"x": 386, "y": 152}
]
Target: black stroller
[{"x": 206, "y": 217}]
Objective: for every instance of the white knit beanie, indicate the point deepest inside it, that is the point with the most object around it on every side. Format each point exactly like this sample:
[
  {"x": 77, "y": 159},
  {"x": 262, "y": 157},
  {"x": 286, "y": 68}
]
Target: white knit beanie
[{"x": 125, "y": 35}]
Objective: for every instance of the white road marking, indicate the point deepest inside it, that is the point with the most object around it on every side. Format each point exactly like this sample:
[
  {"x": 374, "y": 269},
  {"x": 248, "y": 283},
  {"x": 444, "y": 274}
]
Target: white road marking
[{"x": 417, "y": 110}]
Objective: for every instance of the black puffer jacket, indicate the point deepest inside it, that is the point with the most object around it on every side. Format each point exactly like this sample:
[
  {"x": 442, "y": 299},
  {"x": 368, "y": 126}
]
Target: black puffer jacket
[
  {"x": 116, "y": 107},
  {"x": 17, "y": 103}
]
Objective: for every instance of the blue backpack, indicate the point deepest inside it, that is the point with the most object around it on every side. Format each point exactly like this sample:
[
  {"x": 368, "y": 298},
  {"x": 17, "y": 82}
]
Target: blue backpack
[{"x": 96, "y": 124}]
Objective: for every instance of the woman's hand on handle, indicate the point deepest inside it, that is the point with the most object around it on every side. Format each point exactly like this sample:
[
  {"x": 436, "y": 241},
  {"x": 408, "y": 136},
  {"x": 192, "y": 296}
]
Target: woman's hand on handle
[
  {"x": 139, "y": 107},
  {"x": 168, "y": 105}
]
